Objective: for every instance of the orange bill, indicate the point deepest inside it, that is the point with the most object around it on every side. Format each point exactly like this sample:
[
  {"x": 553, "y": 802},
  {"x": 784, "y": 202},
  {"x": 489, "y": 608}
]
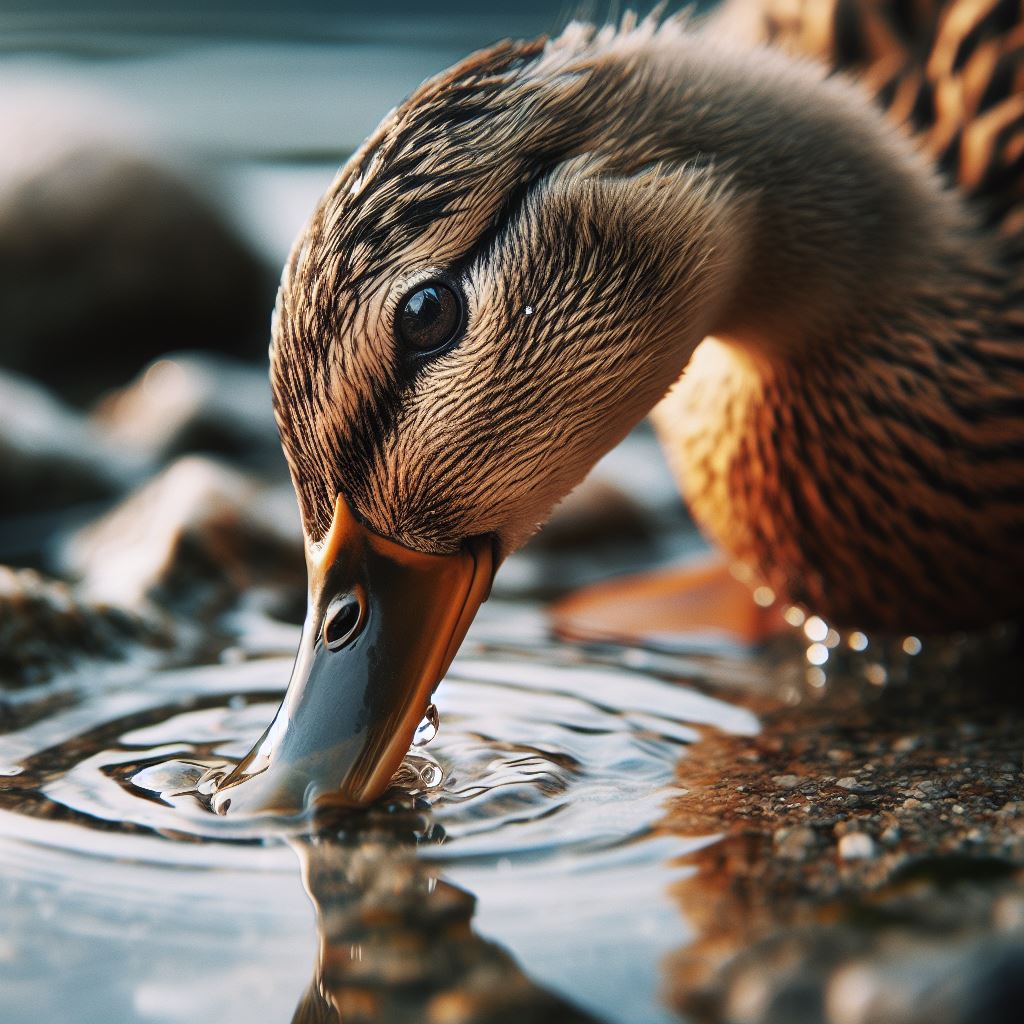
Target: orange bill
[{"x": 382, "y": 626}]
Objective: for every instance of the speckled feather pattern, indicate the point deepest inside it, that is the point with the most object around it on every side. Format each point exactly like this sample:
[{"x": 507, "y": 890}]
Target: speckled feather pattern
[{"x": 852, "y": 429}]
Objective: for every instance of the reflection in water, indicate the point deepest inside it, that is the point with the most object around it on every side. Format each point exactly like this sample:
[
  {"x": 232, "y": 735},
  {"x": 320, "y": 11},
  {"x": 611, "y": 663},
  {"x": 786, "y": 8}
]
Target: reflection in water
[
  {"x": 531, "y": 877},
  {"x": 396, "y": 942}
]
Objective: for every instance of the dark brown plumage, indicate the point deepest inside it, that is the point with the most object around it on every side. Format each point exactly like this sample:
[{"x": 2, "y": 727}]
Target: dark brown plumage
[{"x": 852, "y": 429}]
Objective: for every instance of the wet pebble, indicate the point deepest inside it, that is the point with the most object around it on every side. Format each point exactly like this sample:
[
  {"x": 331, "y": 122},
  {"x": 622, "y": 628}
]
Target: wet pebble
[
  {"x": 199, "y": 540},
  {"x": 786, "y": 781},
  {"x": 856, "y": 846},
  {"x": 795, "y": 843},
  {"x": 47, "y": 628}
]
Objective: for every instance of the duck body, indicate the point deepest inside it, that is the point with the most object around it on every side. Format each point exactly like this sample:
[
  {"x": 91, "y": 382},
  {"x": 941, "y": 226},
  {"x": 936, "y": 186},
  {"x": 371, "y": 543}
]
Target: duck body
[
  {"x": 877, "y": 476},
  {"x": 817, "y": 281}
]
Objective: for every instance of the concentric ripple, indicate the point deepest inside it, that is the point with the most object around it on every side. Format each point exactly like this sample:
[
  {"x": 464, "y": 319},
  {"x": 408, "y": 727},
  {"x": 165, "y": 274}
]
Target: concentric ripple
[
  {"x": 555, "y": 771},
  {"x": 533, "y": 757}
]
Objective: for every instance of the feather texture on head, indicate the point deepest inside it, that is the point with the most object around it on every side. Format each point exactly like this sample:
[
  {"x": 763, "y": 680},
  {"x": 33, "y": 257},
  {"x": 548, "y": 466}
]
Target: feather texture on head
[{"x": 603, "y": 202}]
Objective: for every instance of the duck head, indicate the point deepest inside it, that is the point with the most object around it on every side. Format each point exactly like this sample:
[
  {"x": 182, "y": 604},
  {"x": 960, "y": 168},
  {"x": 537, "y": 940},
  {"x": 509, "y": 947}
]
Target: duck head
[{"x": 494, "y": 290}]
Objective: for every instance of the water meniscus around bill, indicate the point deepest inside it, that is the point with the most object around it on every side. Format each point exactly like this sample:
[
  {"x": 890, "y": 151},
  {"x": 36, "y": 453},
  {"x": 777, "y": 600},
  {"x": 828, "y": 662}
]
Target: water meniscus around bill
[{"x": 532, "y": 754}]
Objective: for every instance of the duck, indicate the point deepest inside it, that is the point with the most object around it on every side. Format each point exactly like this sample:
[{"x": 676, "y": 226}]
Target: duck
[{"x": 791, "y": 232}]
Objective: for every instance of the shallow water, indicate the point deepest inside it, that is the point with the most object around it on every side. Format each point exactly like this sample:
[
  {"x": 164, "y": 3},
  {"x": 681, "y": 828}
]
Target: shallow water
[{"x": 556, "y": 769}]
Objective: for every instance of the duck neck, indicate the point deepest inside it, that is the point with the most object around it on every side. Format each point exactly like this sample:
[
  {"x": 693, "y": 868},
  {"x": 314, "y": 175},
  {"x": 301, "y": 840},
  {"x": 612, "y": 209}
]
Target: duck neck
[{"x": 845, "y": 219}]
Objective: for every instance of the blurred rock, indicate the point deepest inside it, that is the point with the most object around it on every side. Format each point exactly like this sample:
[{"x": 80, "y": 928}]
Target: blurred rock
[
  {"x": 197, "y": 540},
  {"x": 46, "y": 628},
  {"x": 50, "y": 456},
  {"x": 899, "y": 975},
  {"x": 195, "y": 402},
  {"x": 596, "y": 512},
  {"x": 106, "y": 258}
]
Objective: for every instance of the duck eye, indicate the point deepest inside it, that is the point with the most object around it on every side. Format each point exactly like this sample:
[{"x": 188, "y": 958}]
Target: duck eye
[
  {"x": 429, "y": 317},
  {"x": 343, "y": 621}
]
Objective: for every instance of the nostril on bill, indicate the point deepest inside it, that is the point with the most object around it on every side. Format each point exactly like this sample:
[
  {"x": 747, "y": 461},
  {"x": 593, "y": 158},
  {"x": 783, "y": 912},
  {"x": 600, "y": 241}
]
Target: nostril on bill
[{"x": 343, "y": 621}]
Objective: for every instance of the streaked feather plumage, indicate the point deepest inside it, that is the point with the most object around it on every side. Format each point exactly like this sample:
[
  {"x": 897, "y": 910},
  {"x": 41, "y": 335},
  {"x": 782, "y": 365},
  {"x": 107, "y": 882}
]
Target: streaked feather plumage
[{"x": 855, "y": 435}]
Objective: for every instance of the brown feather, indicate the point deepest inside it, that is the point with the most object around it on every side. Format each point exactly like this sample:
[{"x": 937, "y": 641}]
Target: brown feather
[{"x": 605, "y": 201}]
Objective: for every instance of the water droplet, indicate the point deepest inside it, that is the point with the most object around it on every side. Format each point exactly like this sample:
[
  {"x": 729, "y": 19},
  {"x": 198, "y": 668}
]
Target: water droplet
[
  {"x": 431, "y": 775},
  {"x": 911, "y": 645},
  {"x": 876, "y": 675},
  {"x": 427, "y": 729},
  {"x": 232, "y": 656},
  {"x": 816, "y": 677},
  {"x": 794, "y": 616},
  {"x": 817, "y": 654},
  {"x": 418, "y": 773},
  {"x": 816, "y": 629},
  {"x": 857, "y": 641}
]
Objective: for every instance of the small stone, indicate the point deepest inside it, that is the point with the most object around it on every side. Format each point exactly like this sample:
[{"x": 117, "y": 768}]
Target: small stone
[
  {"x": 786, "y": 781},
  {"x": 840, "y": 756},
  {"x": 848, "y": 782},
  {"x": 911, "y": 804},
  {"x": 856, "y": 846},
  {"x": 794, "y": 843}
]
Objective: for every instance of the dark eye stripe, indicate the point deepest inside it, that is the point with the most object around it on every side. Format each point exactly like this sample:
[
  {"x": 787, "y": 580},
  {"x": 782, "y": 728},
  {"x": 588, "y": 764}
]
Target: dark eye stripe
[{"x": 430, "y": 317}]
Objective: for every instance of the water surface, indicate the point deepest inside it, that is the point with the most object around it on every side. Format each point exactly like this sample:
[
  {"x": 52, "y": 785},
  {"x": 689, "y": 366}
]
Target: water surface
[{"x": 126, "y": 895}]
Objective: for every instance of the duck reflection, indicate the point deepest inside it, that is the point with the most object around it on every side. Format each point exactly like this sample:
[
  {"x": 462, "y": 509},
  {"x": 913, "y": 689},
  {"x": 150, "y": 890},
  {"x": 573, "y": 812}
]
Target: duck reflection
[{"x": 396, "y": 942}]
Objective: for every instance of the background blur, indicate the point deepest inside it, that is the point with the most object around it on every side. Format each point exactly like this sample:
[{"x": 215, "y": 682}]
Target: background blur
[
  {"x": 156, "y": 161},
  {"x": 253, "y": 104}
]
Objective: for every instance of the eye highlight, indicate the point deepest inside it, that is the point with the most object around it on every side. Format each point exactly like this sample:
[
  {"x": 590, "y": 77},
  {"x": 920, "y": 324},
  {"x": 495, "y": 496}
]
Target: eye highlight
[{"x": 429, "y": 317}]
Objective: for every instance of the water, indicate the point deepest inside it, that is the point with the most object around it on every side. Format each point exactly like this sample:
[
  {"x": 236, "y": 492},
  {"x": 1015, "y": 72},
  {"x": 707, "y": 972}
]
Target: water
[{"x": 539, "y": 792}]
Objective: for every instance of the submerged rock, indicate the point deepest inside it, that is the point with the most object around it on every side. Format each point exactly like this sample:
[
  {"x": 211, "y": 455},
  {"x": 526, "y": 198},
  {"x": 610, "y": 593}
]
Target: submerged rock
[
  {"x": 397, "y": 943},
  {"x": 198, "y": 540},
  {"x": 195, "y": 402}
]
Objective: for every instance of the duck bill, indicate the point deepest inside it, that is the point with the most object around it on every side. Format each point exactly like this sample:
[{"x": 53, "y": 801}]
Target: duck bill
[{"x": 352, "y": 705}]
